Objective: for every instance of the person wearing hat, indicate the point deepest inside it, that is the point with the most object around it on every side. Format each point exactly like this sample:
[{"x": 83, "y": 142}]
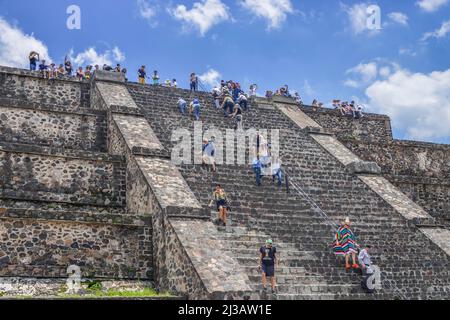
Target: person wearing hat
[
  {"x": 345, "y": 244},
  {"x": 221, "y": 199},
  {"x": 268, "y": 260}
]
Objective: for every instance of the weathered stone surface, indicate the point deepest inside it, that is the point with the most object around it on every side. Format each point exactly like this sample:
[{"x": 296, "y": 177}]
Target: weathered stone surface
[
  {"x": 440, "y": 236},
  {"x": 116, "y": 95},
  {"x": 336, "y": 149},
  {"x": 46, "y": 249},
  {"x": 109, "y": 76},
  {"x": 372, "y": 127},
  {"x": 298, "y": 117},
  {"x": 136, "y": 132},
  {"x": 363, "y": 167},
  {"x": 394, "y": 197},
  {"x": 56, "y": 129},
  {"x": 31, "y": 90},
  {"x": 167, "y": 183},
  {"x": 55, "y": 178}
]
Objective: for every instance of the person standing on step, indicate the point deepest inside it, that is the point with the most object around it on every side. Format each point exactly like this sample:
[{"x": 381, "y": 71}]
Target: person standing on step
[
  {"x": 195, "y": 108},
  {"x": 345, "y": 244},
  {"x": 257, "y": 166},
  {"x": 276, "y": 171},
  {"x": 268, "y": 260},
  {"x": 209, "y": 150},
  {"x": 142, "y": 74},
  {"x": 182, "y": 105},
  {"x": 34, "y": 58},
  {"x": 216, "y": 92},
  {"x": 193, "y": 80},
  {"x": 227, "y": 104},
  {"x": 155, "y": 78},
  {"x": 237, "y": 116},
  {"x": 366, "y": 267},
  {"x": 221, "y": 199}
]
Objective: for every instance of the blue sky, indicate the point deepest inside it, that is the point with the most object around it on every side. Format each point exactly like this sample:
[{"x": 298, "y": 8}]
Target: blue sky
[{"x": 321, "y": 48}]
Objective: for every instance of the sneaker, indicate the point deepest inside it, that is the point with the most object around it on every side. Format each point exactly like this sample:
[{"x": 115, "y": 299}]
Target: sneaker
[
  {"x": 264, "y": 289},
  {"x": 355, "y": 266}
]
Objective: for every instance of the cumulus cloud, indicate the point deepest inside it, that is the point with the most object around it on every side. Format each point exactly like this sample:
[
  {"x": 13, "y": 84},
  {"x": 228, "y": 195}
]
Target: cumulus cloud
[
  {"x": 91, "y": 57},
  {"x": 357, "y": 16},
  {"x": 148, "y": 10},
  {"x": 274, "y": 11},
  {"x": 203, "y": 15},
  {"x": 362, "y": 74},
  {"x": 398, "y": 17},
  {"x": 417, "y": 103},
  {"x": 438, "y": 33},
  {"x": 431, "y": 5},
  {"x": 211, "y": 78},
  {"x": 15, "y": 46}
]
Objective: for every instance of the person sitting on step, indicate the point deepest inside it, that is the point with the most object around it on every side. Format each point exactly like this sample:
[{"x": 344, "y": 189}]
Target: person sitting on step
[
  {"x": 221, "y": 199},
  {"x": 345, "y": 244},
  {"x": 268, "y": 260}
]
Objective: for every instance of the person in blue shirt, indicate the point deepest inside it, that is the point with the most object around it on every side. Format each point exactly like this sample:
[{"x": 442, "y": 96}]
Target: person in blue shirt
[
  {"x": 182, "y": 105},
  {"x": 34, "y": 58},
  {"x": 195, "y": 105},
  {"x": 142, "y": 74},
  {"x": 257, "y": 170},
  {"x": 44, "y": 69}
]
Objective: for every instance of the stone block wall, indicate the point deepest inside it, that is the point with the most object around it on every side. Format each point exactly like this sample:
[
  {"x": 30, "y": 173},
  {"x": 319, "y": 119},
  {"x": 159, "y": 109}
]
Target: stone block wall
[
  {"x": 27, "y": 175},
  {"x": 39, "y": 248},
  {"x": 30, "y": 89},
  {"x": 421, "y": 170},
  {"x": 372, "y": 127},
  {"x": 81, "y": 131}
]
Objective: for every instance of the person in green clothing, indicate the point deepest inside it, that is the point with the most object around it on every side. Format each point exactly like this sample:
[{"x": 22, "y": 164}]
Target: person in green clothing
[{"x": 221, "y": 199}]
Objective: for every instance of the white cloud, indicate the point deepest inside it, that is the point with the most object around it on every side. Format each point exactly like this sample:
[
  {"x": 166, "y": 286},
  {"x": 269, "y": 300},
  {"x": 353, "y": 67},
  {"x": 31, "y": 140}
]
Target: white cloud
[
  {"x": 438, "y": 33},
  {"x": 203, "y": 15},
  {"x": 91, "y": 57},
  {"x": 307, "y": 88},
  {"x": 362, "y": 74},
  {"x": 274, "y": 11},
  {"x": 357, "y": 16},
  {"x": 398, "y": 17},
  {"x": 418, "y": 103},
  {"x": 431, "y": 5},
  {"x": 407, "y": 52},
  {"x": 385, "y": 71},
  {"x": 148, "y": 10},
  {"x": 211, "y": 78},
  {"x": 119, "y": 56},
  {"x": 15, "y": 46}
]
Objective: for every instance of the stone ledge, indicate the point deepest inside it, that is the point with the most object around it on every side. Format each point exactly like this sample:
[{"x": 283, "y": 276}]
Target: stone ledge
[
  {"x": 80, "y": 217},
  {"x": 34, "y": 74},
  {"x": 109, "y": 76},
  {"x": 283, "y": 99},
  {"x": 20, "y": 104},
  {"x": 59, "y": 152},
  {"x": 318, "y": 130},
  {"x": 363, "y": 167}
]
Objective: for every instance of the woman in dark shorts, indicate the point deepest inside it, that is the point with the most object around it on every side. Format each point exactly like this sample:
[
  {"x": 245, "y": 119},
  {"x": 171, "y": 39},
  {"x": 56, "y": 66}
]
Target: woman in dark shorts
[{"x": 220, "y": 197}]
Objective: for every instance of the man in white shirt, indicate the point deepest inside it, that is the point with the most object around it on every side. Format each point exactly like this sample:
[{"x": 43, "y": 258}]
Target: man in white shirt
[
  {"x": 366, "y": 266},
  {"x": 216, "y": 92},
  {"x": 182, "y": 105}
]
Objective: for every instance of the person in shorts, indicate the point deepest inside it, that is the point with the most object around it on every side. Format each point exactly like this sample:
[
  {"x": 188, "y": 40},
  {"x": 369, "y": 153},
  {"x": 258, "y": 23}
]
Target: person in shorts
[{"x": 268, "y": 260}]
